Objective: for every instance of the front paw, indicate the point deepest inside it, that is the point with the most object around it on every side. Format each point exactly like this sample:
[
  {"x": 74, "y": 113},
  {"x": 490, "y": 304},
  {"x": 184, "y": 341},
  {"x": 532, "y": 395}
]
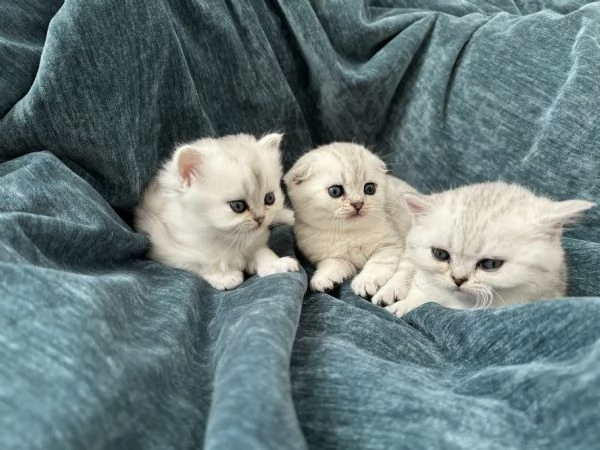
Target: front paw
[
  {"x": 368, "y": 282},
  {"x": 402, "y": 307},
  {"x": 224, "y": 281},
  {"x": 388, "y": 294},
  {"x": 325, "y": 281},
  {"x": 281, "y": 265}
]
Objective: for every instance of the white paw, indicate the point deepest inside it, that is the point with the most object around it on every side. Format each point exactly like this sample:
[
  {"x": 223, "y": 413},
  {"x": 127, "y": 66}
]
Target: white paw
[
  {"x": 285, "y": 264},
  {"x": 400, "y": 308},
  {"x": 368, "y": 282},
  {"x": 225, "y": 281},
  {"x": 388, "y": 294},
  {"x": 325, "y": 281},
  {"x": 321, "y": 283}
]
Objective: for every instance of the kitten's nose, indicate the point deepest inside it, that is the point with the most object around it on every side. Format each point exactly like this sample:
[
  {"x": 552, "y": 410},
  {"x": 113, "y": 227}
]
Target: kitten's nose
[
  {"x": 459, "y": 281},
  {"x": 357, "y": 205},
  {"x": 259, "y": 220}
]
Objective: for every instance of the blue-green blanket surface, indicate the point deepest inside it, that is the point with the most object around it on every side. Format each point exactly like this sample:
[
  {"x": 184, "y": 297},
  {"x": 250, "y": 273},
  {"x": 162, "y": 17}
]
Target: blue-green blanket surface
[{"x": 101, "y": 348}]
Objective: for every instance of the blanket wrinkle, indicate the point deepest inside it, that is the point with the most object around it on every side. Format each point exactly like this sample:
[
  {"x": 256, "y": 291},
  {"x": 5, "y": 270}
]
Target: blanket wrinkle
[{"x": 101, "y": 347}]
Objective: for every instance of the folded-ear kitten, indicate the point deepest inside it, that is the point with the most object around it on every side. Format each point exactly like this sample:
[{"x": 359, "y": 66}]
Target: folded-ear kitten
[{"x": 345, "y": 222}]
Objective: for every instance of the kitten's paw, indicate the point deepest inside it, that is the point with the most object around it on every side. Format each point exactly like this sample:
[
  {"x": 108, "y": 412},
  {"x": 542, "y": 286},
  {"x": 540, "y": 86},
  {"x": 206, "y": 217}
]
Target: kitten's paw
[
  {"x": 324, "y": 282},
  {"x": 224, "y": 281},
  {"x": 329, "y": 273},
  {"x": 368, "y": 282},
  {"x": 388, "y": 294},
  {"x": 402, "y": 307},
  {"x": 321, "y": 283},
  {"x": 281, "y": 265},
  {"x": 284, "y": 217}
]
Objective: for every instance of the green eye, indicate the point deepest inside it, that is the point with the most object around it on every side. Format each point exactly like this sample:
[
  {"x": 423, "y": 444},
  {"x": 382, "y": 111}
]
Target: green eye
[
  {"x": 440, "y": 254},
  {"x": 238, "y": 206},
  {"x": 490, "y": 264}
]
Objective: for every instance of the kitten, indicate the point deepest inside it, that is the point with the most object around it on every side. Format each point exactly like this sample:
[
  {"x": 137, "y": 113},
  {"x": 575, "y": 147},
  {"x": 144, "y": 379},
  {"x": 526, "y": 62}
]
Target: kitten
[
  {"x": 344, "y": 219},
  {"x": 209, "y": 209},
  {"x": 484, "y": 245}
]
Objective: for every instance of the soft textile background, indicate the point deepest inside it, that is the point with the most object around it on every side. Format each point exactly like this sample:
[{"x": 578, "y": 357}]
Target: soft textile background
[{"x": 101, "y": 348}]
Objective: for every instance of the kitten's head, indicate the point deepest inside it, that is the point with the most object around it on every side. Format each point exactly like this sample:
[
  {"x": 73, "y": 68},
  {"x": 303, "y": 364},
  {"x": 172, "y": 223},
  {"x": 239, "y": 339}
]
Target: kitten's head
[
  {"x": 231, "y": 184},
  {"x": 337, "y": 182},
  {"x": 490, "y": 238}
]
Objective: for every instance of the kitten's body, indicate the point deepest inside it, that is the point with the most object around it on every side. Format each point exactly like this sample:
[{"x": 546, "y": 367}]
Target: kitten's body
[
  {"x": 478, "y": 227},
  {"x": 186, "y": 209},
  {"x": 339, "y": 239}
]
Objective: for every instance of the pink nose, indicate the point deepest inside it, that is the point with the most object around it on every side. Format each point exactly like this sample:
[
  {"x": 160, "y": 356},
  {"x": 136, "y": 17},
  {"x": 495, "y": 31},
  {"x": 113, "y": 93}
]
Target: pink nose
[
  {"x": 459, "y": 281},
  {"x": 259, "y": 220},
  {"x": 357, "y": 205}
]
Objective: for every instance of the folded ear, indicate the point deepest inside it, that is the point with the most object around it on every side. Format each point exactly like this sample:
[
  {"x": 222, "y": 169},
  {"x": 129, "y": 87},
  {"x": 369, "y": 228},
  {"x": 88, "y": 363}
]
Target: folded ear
[
  {"x": 563, "y": 213},
  {"x": 189, "y": 164},
  {"x": 299, "y": 172},
  {"x": 271, "y": 141}
]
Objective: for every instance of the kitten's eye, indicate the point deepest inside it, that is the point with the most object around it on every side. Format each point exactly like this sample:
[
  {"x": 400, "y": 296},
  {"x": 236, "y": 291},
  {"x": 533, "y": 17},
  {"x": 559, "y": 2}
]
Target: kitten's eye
[
  {"x": 238, "y": 206},
  {"x": 370, "y": 188},
  {"x": 490, "y": 264},
  {"x": 336, "y": 190},
  {"x": 269, "y": 198},
  {"x": 440, "y": 254}
]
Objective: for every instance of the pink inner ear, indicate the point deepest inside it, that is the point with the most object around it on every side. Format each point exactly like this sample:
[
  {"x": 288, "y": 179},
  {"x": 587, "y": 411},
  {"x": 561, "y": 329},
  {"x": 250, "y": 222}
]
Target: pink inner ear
[
  {"x": 417, "y": 204},
  {"x": 189, "y": 165}
]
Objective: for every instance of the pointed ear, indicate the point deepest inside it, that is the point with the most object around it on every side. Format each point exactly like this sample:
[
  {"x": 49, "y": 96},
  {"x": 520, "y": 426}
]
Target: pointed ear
[
  {"x": 381, "y": 166},
  {"x": 563, "y": 213},
  {"x": 189, "y": 164},
  {"x": 417, "y": 204},
  {"x": 271, "y": 141}
]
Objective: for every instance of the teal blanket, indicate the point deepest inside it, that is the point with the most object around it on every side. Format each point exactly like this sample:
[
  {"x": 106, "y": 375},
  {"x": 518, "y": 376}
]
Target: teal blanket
[{"x": 103, "y": 348}]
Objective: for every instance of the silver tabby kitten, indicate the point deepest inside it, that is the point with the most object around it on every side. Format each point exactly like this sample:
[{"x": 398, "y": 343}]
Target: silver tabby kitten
[
  {"x": 483, "y": 245},
  {"x": 208, "y": 210}
]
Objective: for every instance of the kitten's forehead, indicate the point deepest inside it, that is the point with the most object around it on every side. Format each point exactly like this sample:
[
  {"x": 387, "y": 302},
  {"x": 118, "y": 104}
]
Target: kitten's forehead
[
  {"x": 347, "y": 163},
  {"x": 243, "y": 170},
  {"x": 479, "y": 217}
]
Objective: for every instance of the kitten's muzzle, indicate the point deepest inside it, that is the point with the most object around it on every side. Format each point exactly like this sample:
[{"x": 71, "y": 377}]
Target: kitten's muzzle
[
  {"x": 459, "y": 281},
  {"x": 357, "y": 205},
  {"x": 259, "y": 220}
]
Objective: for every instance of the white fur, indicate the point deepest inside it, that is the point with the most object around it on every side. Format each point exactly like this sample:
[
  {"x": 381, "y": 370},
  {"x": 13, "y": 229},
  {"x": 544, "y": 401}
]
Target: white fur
[
  {"x": 187, "y": 214},
  {"x": 338, "y": 242},
  {"x": 488, "y": 220}
]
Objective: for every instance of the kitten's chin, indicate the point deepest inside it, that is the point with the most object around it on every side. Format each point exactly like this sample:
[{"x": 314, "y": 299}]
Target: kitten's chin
[
  {"x": 353, "y": 217},
  {"x": 471, "y": 298}
]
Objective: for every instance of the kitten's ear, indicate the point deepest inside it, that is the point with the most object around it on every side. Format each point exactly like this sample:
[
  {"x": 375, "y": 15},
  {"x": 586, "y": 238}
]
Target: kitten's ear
[
  {"x": 271, "y": 141},
  {"x": 189, "y": 162},
  {"x": 563, "y": 213},
  {"x": 417, "y": 204},
  {"x": 300, "y": 172}
]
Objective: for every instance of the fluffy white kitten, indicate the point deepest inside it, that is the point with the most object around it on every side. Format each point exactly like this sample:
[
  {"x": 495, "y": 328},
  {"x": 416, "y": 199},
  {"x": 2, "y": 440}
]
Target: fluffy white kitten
[
  {"x": 344, "y": 219},
  {"x": 209, "y": 209},
  {"x": 484, "y": 245}
]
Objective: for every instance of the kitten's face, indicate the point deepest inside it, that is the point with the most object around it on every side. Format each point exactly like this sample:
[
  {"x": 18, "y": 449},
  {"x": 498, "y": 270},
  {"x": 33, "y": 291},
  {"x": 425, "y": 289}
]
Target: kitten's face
[
  {"x": 340, "y": 182},
  {"x": 234, "y": 183},
  {"x": 489, "y": 239}
]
